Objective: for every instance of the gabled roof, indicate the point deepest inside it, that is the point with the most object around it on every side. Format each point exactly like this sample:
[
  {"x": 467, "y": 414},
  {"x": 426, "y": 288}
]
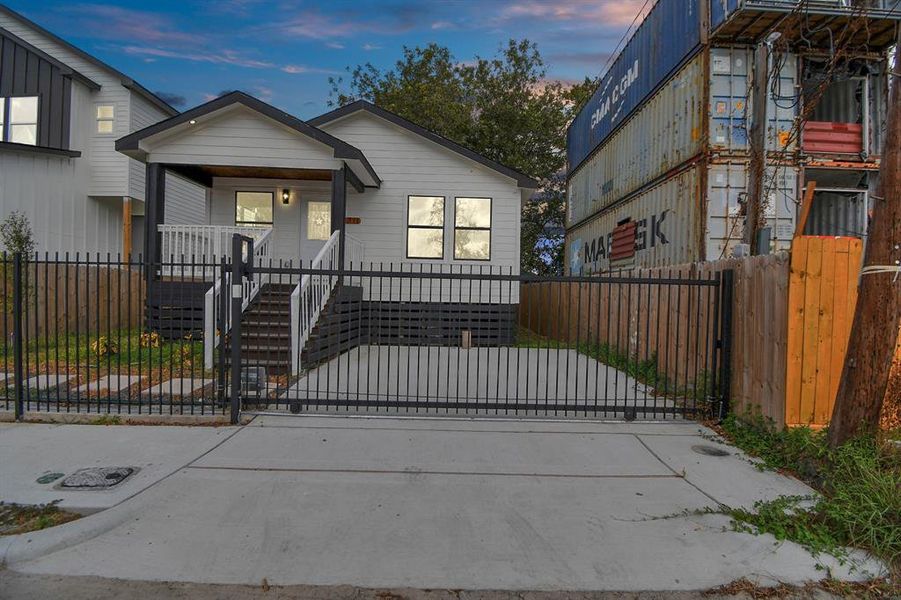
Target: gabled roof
[
  {"x": 64, "y": 68},
  {"x": 130, "y": 144},
  {"x": 126, "y": 81},
  {"x": 524, "y": 181}
]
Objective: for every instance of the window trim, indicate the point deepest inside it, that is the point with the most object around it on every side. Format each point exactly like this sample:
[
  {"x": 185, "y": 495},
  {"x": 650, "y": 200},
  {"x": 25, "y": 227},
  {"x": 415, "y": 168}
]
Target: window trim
[
  {"x": 98, "y": 120},
  {"x": 6, "y": 124},
  {"x": 254, "y": 223},
  {"x": 442, "y": 227},
  {"x": 489, "y": 229}
]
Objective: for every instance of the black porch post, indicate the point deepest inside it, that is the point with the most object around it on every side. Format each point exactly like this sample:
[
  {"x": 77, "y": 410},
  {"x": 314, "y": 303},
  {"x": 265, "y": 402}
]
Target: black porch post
[
  {"x": 339, "y": 209},
  {"x": 154, "y": 211}
]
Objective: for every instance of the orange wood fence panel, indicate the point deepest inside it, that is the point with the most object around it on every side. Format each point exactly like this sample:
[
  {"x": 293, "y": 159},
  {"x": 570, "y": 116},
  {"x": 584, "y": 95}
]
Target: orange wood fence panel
[{"x": 822, "y": 294}]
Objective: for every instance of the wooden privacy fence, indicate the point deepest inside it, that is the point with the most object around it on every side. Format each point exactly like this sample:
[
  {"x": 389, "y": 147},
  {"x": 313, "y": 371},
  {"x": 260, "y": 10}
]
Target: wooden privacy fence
[
  {"x": 666, "y": 320},
  {"x": 58, "y": 296}
]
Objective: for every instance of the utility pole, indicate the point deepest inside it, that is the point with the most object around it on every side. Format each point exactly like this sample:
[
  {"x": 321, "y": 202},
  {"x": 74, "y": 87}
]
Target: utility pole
[
  {"x": 757, "y": 144},
  {"x": 877, "y": 316}
]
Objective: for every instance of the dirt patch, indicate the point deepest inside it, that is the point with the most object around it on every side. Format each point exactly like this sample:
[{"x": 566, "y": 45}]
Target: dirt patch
[{"x": 18, "y": 518}]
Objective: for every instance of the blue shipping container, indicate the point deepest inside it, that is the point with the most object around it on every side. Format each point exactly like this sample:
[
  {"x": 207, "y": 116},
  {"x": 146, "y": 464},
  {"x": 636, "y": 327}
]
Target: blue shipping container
[{"x": 671, "y": 31}]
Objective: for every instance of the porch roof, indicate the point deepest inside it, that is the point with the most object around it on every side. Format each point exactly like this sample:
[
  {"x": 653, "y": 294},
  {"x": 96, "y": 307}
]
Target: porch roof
[{"x": 328, "y": 152}]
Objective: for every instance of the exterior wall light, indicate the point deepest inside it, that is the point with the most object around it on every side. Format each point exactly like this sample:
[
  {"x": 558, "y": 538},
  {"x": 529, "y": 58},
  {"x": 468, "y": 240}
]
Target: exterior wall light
[{"x": 286, "y": 196}]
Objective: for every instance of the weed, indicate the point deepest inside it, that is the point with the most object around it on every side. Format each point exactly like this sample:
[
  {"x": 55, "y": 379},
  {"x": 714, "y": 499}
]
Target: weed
[
  {"x": 107, "y": 420},
  {"x": 859, "y": 482}
]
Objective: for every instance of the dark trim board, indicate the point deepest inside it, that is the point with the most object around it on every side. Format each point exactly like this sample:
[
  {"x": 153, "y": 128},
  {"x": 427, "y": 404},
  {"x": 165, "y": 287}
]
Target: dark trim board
[
  {"x": 524, "y": 181},
  {"x": 65, "y": 69},
  {"x": 28, "y": 149}
]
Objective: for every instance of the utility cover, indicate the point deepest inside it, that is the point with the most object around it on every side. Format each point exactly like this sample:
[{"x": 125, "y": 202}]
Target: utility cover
[{"x": 97, "y": 478}]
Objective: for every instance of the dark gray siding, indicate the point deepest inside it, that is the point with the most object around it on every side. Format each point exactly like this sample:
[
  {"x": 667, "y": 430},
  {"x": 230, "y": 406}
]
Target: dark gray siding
[{"x": 25, "y": 73}]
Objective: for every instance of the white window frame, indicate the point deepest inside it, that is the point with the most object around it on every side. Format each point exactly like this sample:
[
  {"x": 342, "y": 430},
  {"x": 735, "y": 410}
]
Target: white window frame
[
  {"x": 7, "y": 123},
  {"x": 98, "y": 119}
]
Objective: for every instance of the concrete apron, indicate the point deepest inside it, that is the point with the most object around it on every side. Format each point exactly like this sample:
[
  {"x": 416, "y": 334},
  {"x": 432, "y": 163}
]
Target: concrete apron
[{"x": 456, "y": 504}]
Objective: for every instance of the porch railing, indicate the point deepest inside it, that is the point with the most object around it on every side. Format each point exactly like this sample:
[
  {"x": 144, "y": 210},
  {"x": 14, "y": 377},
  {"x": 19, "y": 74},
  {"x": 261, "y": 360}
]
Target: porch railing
[
  {"x": 353, "y": 252},
  {"x": 212, "y": 334},
  {"x": 206, "y": 243},
  {"x": 310, "y": 296}
]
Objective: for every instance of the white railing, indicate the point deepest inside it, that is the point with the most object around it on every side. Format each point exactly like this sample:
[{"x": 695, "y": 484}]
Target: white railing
[
  {"x": 353, "y": 252},
  {"x": 202, "y": 243},
  {"x": 262, "y": 256},
  {"x": 309, "y": 298}
]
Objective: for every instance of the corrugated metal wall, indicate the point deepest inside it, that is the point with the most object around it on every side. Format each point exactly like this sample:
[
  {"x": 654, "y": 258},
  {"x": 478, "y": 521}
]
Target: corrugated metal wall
[
  {"x": 663, "y": 134},
  {"x": 669, "y": 221},
  {"x": 669, "y": 34}
]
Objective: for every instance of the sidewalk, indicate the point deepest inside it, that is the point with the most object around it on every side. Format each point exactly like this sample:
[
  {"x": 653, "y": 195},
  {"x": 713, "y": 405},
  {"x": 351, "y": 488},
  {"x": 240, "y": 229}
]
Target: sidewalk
[{"x": 443, "y": 504}]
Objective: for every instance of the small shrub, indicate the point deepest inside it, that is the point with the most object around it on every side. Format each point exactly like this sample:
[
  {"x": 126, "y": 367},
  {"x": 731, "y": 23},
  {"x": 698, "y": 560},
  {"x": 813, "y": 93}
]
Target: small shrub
[
  {"x": 16, "y": 234},
  {"x": 103, "y": 346},
  {"x": 150, "y": 340}
]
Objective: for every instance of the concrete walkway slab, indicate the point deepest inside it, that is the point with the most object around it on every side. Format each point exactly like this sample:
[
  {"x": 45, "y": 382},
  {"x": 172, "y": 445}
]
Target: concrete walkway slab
[
  {"x": 48, "y": 381},
  {"x": 179, "y": 386},
  {"x": 516, "y": 452},
  {"x": 111, "y": 383},
  {"x": 461, "y": 505},
  {"x": 32, "y": 450}
]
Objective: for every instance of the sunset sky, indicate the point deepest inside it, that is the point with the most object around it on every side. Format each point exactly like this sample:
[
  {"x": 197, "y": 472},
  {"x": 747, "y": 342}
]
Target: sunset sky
[{"x": 283, "y": 51}]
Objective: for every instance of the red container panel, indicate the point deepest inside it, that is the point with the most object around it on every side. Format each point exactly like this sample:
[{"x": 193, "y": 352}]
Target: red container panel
[{"x": 832, "y": 138}]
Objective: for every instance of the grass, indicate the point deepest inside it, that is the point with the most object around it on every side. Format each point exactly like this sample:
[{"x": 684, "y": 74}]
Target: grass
[
  {"x": 859, "y": 483},
  {"x": 18, "y": 518},
  {"x": 119, "y": 349}
]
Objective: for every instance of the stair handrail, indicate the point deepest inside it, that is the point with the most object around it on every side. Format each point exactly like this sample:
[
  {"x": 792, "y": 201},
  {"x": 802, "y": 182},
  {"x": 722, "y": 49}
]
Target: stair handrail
[
  {"x": 262, "y": 255},
  {"x": 310, "y": 296}
]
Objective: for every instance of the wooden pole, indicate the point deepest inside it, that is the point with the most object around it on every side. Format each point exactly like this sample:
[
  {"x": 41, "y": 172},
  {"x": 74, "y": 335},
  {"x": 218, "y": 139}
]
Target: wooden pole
[
  {"x": 877, "y": 316},
  {"x": 805, "y": 208},
  {"x": 126, "y": 228}
]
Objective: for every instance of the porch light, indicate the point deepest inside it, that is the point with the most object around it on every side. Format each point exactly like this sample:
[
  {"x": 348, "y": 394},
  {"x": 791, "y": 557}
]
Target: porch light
[{"x": 286, "y": 196}]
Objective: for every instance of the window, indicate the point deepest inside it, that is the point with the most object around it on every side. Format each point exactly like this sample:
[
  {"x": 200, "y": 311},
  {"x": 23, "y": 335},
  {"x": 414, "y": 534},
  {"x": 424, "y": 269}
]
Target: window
[
  {"x": 472, "y": 229},
  {"x": 19, "y": 120},
  {"x": 425, "y": 227},
  {"x": 319, "y": 220},
  {"x": 106, "y": 118},
  {"x": 253, "y": 208}
]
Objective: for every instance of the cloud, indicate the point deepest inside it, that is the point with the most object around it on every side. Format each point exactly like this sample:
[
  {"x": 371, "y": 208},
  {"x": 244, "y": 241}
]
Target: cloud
[
  {"x": 116, "y": 23},
  {"x": 302, "y": 69},
  {"x": 224, "y": 57},
  {"x": 335, "y": 45},
  {"x": 443, "y": 25},
  {"x": 582, "y": 59},
  {"x": 172, "y": 99},
  {"x": 593, "y": 12},
  {"x": 371, "y": 47}
]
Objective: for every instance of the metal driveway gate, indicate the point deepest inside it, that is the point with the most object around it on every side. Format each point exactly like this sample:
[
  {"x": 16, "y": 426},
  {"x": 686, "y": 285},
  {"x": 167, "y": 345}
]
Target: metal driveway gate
[{"x": 478, "y": 340}]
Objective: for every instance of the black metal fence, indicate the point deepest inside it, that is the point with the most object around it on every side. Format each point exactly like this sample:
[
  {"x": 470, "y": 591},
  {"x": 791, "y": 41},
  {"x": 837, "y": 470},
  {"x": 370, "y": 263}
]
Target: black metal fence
[{"x": 110, "y": 336}]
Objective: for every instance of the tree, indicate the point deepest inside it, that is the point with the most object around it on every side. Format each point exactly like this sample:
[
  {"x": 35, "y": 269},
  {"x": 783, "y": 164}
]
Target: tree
[
  {"x": 503, "y": 108},
  {"x": 874, "y": 331},
  {"x": 16, "y": 235}
]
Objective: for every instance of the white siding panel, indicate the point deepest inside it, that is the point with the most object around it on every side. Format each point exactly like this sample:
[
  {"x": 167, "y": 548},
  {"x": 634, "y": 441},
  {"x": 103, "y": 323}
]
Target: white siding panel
[
  {"x": 63, "y": 218},
  {"x": 143, "y": 114},
  {"x": 185, "y": 201},
  {"x": 241, "y": 137},
  {"x": 409, "y": 164}
]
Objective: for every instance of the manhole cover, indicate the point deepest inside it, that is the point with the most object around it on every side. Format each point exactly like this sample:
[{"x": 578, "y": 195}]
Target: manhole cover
[
  {"x": 49, "y": 477},
  {"x": 710, "y": 450},
  {"x": 97, "y": 478}
]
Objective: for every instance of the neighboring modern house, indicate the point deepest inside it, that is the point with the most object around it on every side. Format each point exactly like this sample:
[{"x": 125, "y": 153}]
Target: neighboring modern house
[{"x": 61, "y": 111}]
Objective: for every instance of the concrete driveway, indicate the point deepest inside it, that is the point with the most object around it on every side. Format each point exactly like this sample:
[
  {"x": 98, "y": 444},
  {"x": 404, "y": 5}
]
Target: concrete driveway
[
  {"x": 421, "y": 379},
  {"x": 443, "y": 504}
]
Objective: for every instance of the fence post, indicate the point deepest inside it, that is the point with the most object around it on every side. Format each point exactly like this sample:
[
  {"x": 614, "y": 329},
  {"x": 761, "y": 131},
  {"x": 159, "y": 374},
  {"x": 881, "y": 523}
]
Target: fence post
[
  {"x": 236, "y": 292},
  {"x": 727, "y": 303},
  {"x": 222, "y": 327},
  {"x": 17, "y": 336}
]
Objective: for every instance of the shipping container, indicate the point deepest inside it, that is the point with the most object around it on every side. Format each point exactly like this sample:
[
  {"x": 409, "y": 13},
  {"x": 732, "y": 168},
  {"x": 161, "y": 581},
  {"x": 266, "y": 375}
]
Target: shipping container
[
  {"x": 663, "y": 134},
  {"x": 668, "y": 221},
  {"x": 727, "y": 186},
  {"x": 665, "y": 39}
]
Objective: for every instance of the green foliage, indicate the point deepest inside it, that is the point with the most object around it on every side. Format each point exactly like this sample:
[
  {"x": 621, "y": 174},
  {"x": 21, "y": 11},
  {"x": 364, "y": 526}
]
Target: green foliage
[
  {"x": 502, "y": 107},
  {"x": 16, "y": 235},
  {"x": 859, "y": 482}
]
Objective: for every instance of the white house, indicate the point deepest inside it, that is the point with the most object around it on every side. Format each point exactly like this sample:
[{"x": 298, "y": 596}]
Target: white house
[{"x": 61, "y": 111}]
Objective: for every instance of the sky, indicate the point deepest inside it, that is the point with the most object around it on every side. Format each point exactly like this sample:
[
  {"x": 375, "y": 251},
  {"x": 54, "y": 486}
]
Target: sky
[{"x": 284, "y": 51}]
